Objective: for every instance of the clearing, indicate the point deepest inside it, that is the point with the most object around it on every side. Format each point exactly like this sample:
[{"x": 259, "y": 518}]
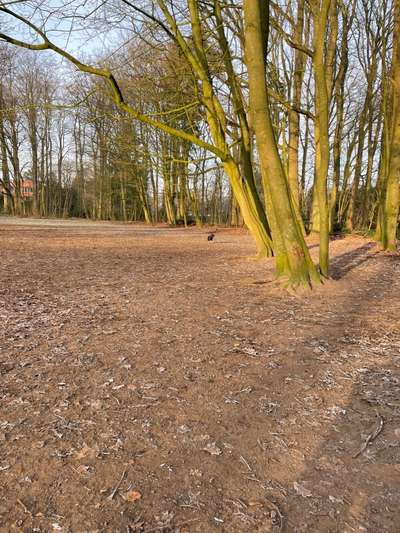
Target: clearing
[{"x": 153, "y": 381}]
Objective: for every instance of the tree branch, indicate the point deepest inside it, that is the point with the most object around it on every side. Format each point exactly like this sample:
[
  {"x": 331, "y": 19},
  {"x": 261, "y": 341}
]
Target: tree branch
[{"x": 107, "y": 75}]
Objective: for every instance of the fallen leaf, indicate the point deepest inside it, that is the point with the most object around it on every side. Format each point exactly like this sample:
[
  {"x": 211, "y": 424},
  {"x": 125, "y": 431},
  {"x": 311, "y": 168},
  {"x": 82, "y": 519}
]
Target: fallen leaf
[
  {"x": 132, "y": 496},
  {"x": 87, "y": 451},
  {"x": 212, "y": 449},
  {"x": 84, "y": 469},
  {"x": 255, "y": 504},
  {"x": 302, "y": 490}
]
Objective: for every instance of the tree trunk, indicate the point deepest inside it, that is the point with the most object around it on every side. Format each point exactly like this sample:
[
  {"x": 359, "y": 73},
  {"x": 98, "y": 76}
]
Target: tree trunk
[
  {"x": 390, "y": 211},
  {"x": 293, "y": 260},
  {"x": 294, "y": 119}
]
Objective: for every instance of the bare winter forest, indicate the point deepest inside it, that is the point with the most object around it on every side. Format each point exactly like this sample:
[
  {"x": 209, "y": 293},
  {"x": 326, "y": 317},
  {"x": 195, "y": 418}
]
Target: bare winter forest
[{"x": 199, "y": 307}]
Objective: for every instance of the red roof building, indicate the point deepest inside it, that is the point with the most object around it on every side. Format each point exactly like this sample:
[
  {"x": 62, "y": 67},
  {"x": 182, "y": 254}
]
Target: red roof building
[{"x": 26, "y": 188}]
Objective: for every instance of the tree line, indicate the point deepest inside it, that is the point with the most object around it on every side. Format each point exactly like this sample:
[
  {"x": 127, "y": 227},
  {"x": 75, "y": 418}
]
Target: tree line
[
  {"x": 283, "y": 116},
  {"x": 83, "y": 158}
]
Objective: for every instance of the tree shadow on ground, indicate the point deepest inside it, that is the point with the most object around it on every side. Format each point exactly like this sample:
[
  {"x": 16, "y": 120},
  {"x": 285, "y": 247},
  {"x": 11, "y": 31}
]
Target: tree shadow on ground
[
  {"x": 343, "y": 264},
  {"x": 344, "y": 489},
  {"x": 332, "y": 373},
  {"x": 334, "y": 237}
]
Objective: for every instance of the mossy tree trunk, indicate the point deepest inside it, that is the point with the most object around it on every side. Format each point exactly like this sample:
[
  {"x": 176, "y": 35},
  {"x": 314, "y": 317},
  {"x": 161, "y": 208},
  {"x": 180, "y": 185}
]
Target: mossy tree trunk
[
  {"x": 321, "y": 129},
  {"x": 243, "y": 186},
  {"x": 390, "y": 198},
  {"x": 293, "y": 115},
  {"x": 293, "y": 261}
]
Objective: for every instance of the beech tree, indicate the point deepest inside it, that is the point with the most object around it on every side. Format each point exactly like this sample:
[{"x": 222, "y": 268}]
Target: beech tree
[
  {"x": 390, "y": 196},
  {"x": 292, "y": 256}
]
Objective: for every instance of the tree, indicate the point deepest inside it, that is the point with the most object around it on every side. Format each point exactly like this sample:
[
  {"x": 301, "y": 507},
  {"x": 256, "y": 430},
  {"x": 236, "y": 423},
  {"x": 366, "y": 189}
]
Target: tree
[
  {"x": 292, "y": 256},
  {"x": 390, "y": 197}
]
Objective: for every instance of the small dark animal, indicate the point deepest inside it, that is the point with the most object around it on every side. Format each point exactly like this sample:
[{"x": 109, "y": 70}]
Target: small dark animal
[{"x": 210, "y": 237}]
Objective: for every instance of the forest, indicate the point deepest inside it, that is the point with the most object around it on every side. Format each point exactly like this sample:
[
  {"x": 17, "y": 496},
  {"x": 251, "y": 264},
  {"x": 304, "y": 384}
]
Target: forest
[
  {"x": 282, "y": 116},
  {"x": 199, "y": 236}
]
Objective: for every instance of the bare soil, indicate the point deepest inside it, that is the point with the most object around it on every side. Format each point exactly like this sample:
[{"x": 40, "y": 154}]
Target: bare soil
[{"x": 153, "y": 381}]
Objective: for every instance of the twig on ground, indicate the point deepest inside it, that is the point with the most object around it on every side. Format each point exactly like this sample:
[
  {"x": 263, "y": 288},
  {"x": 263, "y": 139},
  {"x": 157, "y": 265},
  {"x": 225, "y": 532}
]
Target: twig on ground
[
  {"x": 117, "y": 486},
  {"x": 245, "y": 463},
  {"x": 278, "y": 512},
  {"x": 371, "y": 437},
  {"x": 24, "y": 507}
]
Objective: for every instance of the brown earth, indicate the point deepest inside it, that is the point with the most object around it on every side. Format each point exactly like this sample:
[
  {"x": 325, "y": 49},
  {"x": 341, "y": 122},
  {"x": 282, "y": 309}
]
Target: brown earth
[{"x": 153, "y": 381}]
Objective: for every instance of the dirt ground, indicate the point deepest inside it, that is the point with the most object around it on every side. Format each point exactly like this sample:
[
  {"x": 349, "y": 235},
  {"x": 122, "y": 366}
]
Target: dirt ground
[{"x": 153, "y": 381}]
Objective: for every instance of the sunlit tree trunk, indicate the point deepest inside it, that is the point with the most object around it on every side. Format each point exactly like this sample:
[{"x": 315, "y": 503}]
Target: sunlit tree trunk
[
  {"x": 391, "y": 198},
  {"x": 339, "y": 87},
  {"x": 321, "y": 129},
  {"x": 294, "y": 119},
  {"x": 216, "y": 119},
  {"x": 293, "y": 260}
]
